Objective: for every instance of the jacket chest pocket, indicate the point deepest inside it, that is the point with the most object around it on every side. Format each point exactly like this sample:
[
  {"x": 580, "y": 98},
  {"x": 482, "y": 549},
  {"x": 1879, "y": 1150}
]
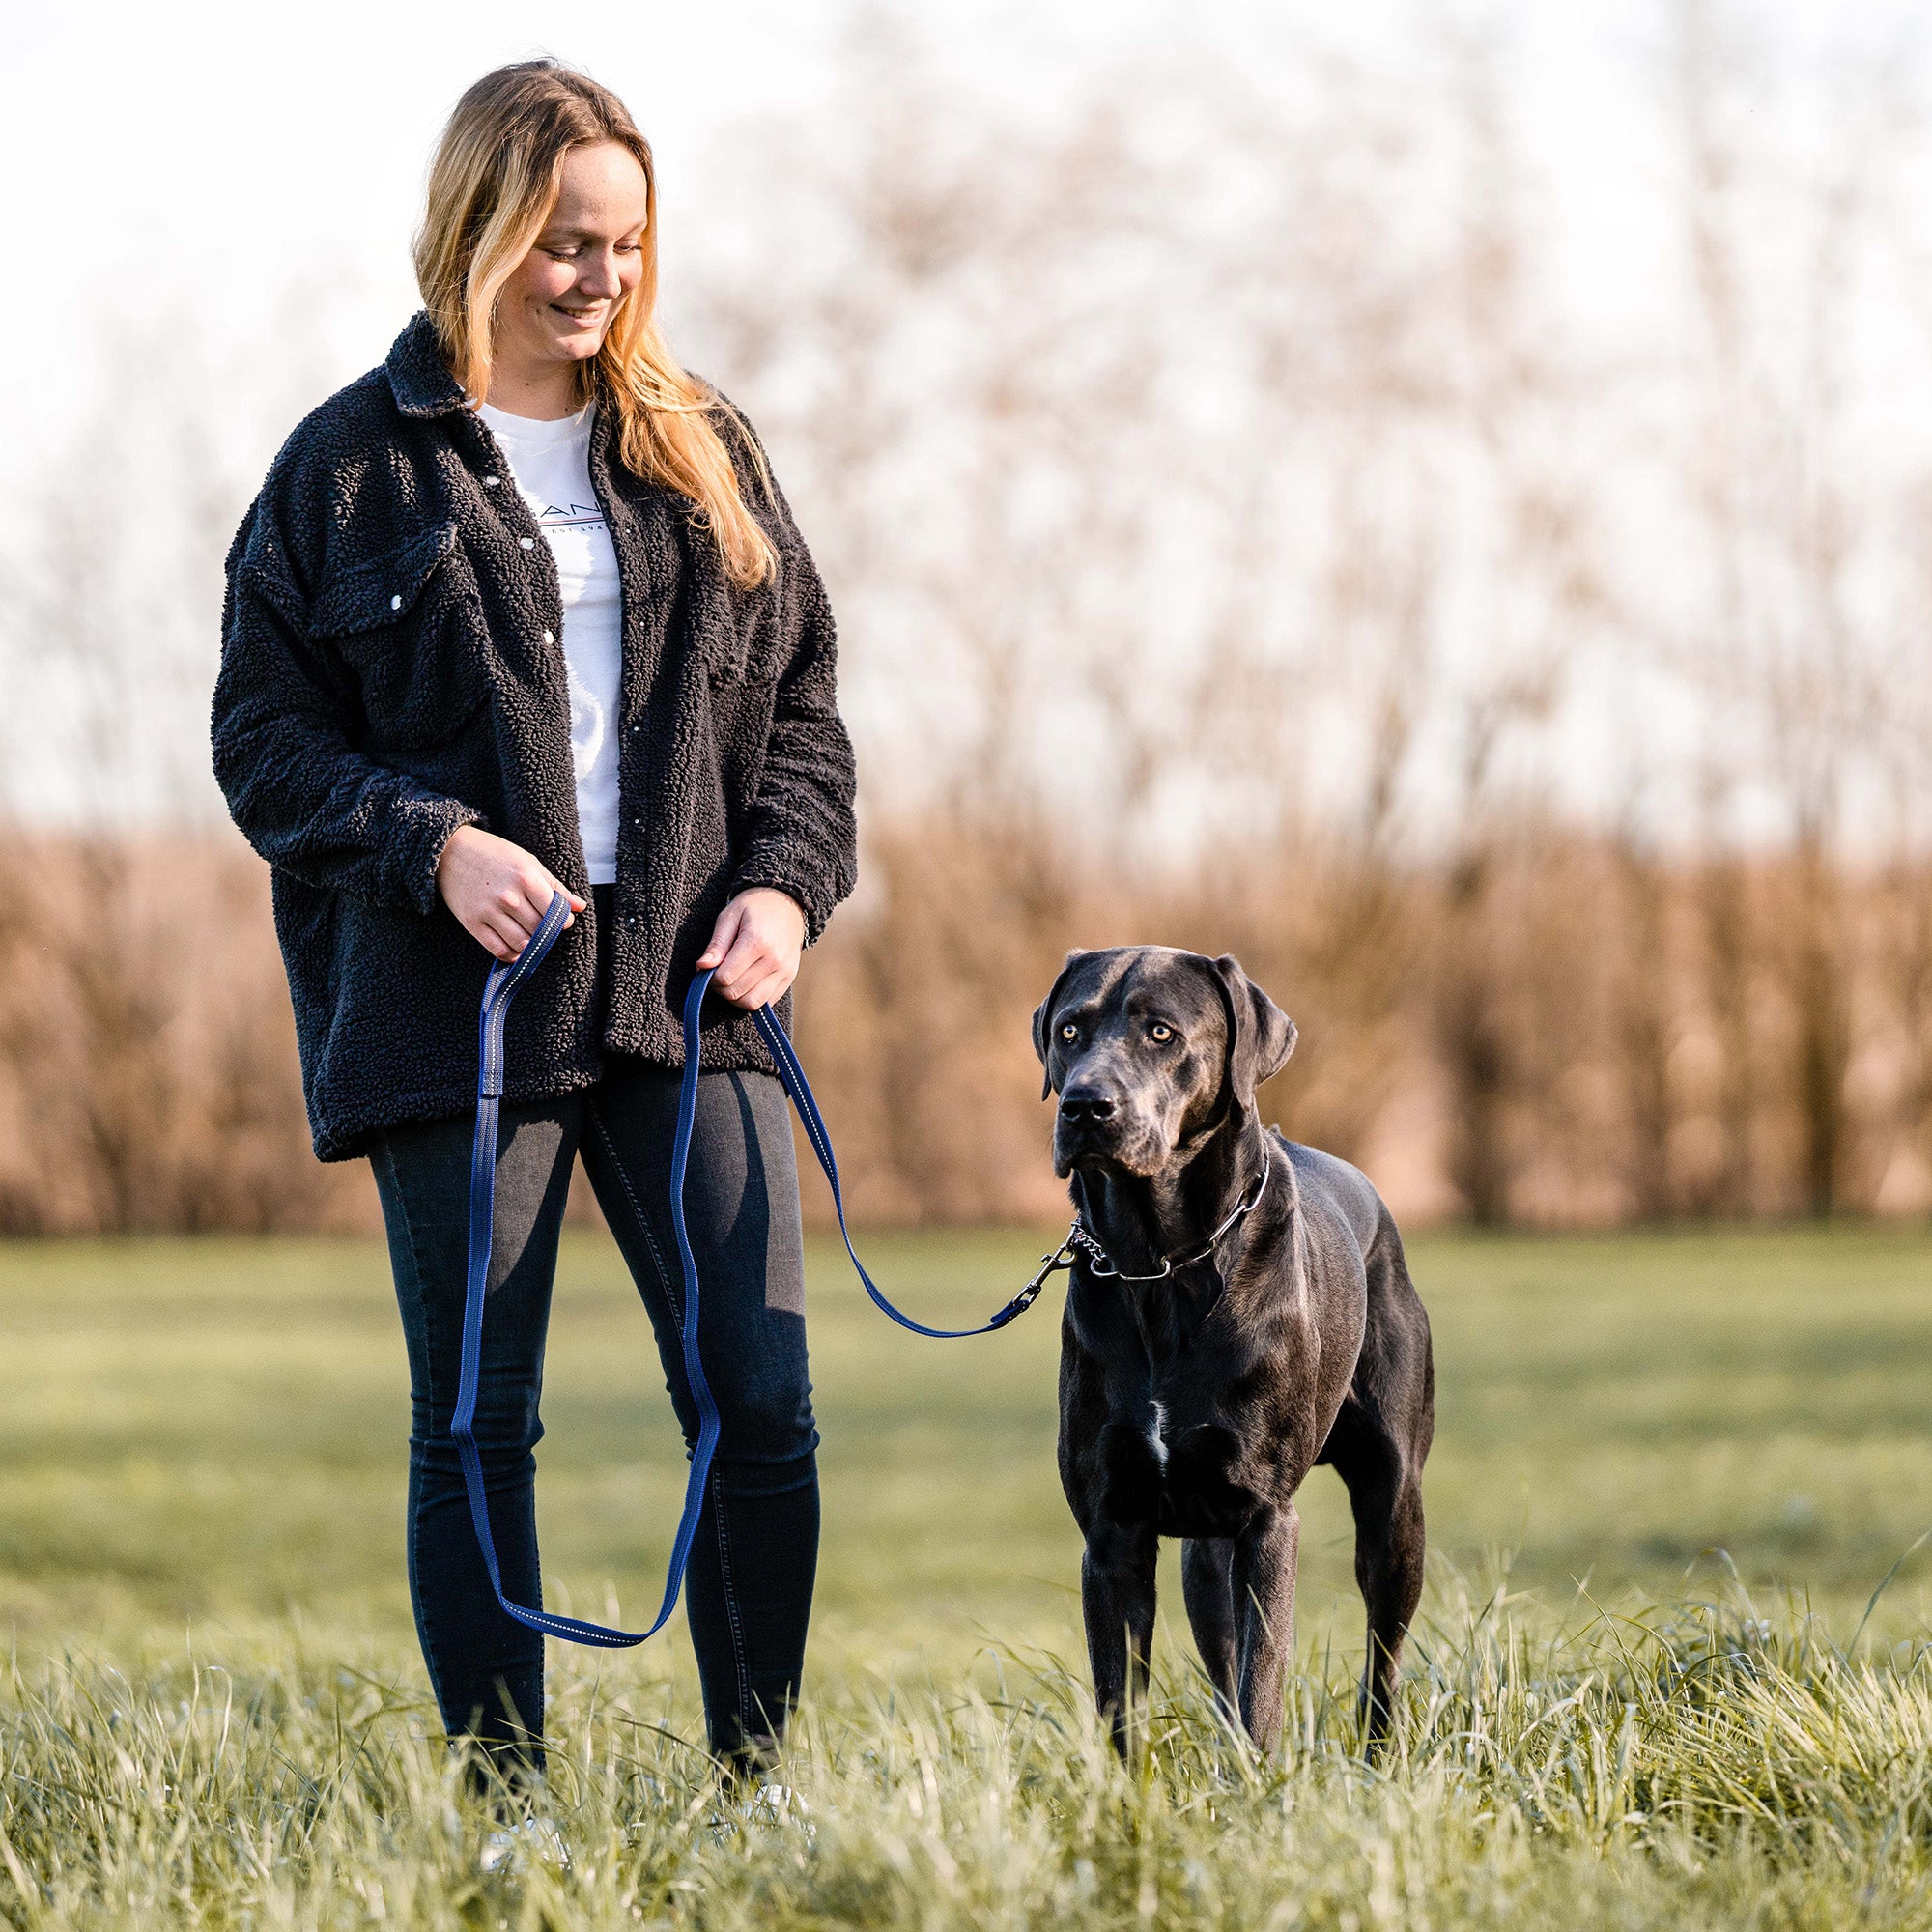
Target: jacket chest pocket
[{"x": 403, "y": 623}]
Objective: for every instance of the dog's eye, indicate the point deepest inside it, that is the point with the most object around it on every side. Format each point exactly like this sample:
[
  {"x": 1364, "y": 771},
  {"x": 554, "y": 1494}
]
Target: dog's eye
[
  {"x": 1160, "y": 1031},
  {"x": 1069, "y": 1031}
]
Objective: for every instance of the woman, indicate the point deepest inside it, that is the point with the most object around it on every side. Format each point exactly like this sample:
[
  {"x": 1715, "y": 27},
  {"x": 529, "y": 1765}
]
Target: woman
[{"x": 522, "y": 613}]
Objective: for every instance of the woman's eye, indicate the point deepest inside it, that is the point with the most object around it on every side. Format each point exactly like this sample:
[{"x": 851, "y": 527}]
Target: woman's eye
[
  {"x": 1160, "y": 1031},
  {"x": 1069, "y": 1031}
]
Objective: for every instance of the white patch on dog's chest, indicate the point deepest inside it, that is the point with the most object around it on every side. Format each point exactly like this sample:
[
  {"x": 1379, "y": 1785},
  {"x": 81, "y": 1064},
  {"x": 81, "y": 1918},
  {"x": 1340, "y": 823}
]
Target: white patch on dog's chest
[{"x": 1157, "y": 1433}]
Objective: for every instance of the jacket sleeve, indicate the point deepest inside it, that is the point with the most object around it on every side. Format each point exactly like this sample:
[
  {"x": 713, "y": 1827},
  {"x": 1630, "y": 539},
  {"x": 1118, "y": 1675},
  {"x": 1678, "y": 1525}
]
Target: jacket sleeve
[
  {"x": 803, "y": 832},
  {"x": 303, "y": 796}
]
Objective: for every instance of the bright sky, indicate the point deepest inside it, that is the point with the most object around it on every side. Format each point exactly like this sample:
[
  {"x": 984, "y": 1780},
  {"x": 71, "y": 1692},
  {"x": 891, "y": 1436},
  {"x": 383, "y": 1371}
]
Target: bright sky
[
  {"x": 211, "y": 158},
  {"x": 197, "y": 171}
]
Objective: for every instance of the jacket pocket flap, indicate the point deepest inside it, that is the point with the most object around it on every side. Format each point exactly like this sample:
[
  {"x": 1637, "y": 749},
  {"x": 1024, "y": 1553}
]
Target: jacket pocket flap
[
  {"x": 378, "y": 591},
  {"x": 275, "y": 588}
]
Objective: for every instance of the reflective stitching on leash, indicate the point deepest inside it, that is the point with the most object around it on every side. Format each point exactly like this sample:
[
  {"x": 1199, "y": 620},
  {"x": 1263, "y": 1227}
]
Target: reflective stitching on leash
[{"x": 730, "y": 1597}]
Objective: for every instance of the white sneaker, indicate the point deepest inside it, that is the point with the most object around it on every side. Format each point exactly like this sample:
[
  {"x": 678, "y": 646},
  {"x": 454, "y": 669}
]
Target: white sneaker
[
  {"x": 512, "y": 1847},
  {"x": 769, "y": 1807},
  {"x": 776, "y": 1806}
]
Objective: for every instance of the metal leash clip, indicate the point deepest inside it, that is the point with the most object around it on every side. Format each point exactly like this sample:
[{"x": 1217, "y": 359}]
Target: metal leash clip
[{"x": 1061, "y": 1257}]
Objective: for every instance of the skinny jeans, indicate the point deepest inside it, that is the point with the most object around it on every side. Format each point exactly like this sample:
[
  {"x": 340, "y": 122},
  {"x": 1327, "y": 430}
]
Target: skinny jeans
[{"x": 747, "y": 1590}]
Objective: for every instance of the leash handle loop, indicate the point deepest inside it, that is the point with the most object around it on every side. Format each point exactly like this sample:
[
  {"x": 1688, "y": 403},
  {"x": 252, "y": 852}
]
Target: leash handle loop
[{"x": 498, "y": 992}]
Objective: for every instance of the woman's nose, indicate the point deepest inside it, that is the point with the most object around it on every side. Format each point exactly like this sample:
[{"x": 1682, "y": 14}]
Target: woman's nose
[{"x": 600, "y": 277}]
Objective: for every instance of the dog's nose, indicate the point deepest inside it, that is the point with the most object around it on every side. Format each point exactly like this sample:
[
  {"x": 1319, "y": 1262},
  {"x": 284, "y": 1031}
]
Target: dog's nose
[{"x": 1087, "y": 1103}]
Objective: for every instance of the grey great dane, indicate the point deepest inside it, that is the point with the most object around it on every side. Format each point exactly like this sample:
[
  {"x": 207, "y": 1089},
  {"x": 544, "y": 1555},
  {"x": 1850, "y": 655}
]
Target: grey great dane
[{"x": 1238, "y": 1310}]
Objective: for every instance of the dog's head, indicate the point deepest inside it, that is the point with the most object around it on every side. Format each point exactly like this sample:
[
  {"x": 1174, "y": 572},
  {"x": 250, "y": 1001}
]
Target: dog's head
[{"x": 1150, "y": 1049}]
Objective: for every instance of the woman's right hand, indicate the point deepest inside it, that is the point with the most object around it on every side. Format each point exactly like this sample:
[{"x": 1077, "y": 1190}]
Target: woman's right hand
[{"x": 497, "y": 891}]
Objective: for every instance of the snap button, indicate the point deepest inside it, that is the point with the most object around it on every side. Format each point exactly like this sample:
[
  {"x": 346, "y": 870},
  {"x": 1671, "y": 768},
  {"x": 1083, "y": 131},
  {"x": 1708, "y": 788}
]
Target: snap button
[
  {"x": 528, "y": 543},
  {"x": 547, "y": 638},
  {"x": 395, "y": 603},
  {"x": 491, "y": 482}
]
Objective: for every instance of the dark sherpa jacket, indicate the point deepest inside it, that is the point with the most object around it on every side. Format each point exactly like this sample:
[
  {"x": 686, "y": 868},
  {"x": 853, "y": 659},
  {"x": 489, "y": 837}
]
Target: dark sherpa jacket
[{"x": 390, "y": 671}]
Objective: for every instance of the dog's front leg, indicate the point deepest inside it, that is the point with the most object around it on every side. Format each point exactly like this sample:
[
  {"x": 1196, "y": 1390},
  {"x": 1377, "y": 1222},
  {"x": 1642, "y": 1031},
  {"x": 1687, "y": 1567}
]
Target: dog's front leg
[
  {"x": 1117, "y": 1596},
  {"x": 1264, "y": 1580},
  {"x": 1207, "y": 1582}
]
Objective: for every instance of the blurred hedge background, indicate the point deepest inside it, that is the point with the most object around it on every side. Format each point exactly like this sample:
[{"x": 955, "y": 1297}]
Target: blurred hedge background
[{"x": 1240, "y": 543}]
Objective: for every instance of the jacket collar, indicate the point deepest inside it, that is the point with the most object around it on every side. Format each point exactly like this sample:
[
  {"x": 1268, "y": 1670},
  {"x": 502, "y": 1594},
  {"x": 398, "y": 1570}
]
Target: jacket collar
[{"x": 419, "y": 379}]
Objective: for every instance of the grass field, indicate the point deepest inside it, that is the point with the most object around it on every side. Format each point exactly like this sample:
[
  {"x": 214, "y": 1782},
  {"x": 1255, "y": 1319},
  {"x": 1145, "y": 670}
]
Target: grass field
[{"x": 1669, "y": 1472}]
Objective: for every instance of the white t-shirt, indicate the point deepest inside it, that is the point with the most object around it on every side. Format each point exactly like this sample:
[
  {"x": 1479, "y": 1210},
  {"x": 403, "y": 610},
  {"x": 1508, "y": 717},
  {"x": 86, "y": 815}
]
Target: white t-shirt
[{"x": 551, "y": 463}]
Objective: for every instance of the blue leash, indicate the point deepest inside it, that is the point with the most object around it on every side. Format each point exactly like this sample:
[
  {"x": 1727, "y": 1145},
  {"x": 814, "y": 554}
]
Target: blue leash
[
  {"x": 800, "y": 1089},
  {"x": 497, "y": 991}
]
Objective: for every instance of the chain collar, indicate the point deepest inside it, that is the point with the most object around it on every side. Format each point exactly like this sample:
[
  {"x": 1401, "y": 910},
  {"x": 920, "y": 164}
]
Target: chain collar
[{"x": 1100, "y": 1264}]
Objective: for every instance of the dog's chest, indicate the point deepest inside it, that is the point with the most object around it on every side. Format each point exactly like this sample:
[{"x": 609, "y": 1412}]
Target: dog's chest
[{"x": 1175, "y": 1463}]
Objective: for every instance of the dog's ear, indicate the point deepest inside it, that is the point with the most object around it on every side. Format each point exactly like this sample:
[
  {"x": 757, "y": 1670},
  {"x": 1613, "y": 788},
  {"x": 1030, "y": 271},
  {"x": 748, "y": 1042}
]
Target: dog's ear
[
  {"x": 1042, "y": 1018},
  {"x": 1260, "y": 1035}
]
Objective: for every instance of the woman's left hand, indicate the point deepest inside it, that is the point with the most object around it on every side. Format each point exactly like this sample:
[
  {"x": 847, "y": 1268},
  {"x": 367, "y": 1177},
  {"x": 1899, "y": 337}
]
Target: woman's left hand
[{"x": 755, "y": 946}]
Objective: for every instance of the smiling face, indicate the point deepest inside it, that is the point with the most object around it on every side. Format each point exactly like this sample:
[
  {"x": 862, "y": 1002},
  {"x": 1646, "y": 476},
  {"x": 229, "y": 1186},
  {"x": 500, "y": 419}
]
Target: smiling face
[{"x": 559, "y": 303}]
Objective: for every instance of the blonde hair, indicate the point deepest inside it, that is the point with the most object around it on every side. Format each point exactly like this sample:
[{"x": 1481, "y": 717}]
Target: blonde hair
[{"x": 492, "y": 188}]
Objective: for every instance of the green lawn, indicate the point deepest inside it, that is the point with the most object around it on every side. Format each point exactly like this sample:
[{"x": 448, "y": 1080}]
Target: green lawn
[
  {"x": 214, "y": 1430},
  {"x": 217, "y": 1715}
]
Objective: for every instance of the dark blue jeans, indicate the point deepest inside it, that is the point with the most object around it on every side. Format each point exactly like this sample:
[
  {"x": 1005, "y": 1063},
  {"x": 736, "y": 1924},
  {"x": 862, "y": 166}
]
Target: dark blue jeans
[{"x": 748, "y": 1592}]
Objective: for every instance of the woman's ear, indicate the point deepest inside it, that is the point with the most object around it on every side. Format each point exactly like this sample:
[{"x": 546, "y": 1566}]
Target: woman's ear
[
  {"x": 1043, "y": 1021},
  {"x": 1260, "y": 1035}
]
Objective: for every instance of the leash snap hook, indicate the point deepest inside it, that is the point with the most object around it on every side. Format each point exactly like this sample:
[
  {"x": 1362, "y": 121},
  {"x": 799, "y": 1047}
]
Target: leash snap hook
[
  {"x": 1063, "y": 1257},
  {"x": 1049, "y": 1265}
]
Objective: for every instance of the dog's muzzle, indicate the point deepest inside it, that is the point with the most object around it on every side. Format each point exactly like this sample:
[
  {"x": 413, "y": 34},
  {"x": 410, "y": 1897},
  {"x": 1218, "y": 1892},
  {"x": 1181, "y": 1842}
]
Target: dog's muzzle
[{"x": 1094, "y": 1127}]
